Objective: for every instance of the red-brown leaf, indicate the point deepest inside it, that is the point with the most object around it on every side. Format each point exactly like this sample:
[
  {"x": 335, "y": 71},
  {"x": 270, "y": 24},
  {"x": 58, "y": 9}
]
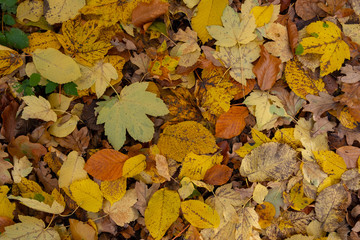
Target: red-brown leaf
[
  {"x": 218, "y": 175},
  {"x": 231, "y": 123},
  {"x": 4, "y": 222},
  {"x": 106, "y": 164},
  {"x": 146, "y": 13},
  {"x": 266, "y": 69},
  {"x": 21, "y": 146},
  {"x": 9, "y": 123},
  {"x": 293, "y": 34}
]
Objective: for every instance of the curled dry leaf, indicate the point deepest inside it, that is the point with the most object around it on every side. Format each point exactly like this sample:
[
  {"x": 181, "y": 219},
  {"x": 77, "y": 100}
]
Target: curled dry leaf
[
  {"x": 266, "y": 69},
  {"x": 106, "y": 164},
  {"x": 145, "y": 13},
  {"x": 231, "y": 123}
]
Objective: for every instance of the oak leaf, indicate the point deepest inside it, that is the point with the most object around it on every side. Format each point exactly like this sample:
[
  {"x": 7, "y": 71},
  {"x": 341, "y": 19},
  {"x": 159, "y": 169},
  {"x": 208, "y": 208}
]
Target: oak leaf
[
  {"x": 106, "y": 164},
  {"x": 178, "y": 140},
  {"x": 320, "y": 104},
  {"x": 326, "y": 40},
  {"x": 134, "y": 102},
  {"x": 352, "y": 74}
]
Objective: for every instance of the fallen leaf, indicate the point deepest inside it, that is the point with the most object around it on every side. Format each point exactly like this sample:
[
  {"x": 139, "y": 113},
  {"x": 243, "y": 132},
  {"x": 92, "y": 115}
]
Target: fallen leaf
[
  {"x": 199, "y": 214},
  {"x": 269, "y": 161},
  {"x": 56, "y": 11},
  {"x": 331, "y": 163},
  {"x": 330, "y": 207},
  {"x": 320, "y": 104},
  {"x": 262, "y": 14},
  {"x": 6, "y": 207},
  {"x": 80, "y": 230},
  {"x": 5, "y": 176},
  {"x": 8, "y": 128},
  {"x": 178, "y": 140},
  {"x": 21, "y": 146},
  {"x": 131, "y": 103},
  {"x": 145, "y": 13},
  {"x": 78, "y": 140},
  {"x": 72, "y": 170},
  {"x": 231, "y": 123},
  {"x": 87, "y": 194},
  {"x": 298, "y": 201},
  {"x": 162, "y": 166},
  {"x": 30, "y": 10},
  {"x": 113, "y": 191},
  {"x": 323, "y": 125},
  {"x": 350, "y": 154},
  {"x": 30, "y": 227},
  {"x": 22, "y": 168},
  {"x": 10, "y": 60},
  {"x": 122, "y": 211},
  {"x": 209, "y": 13},
  {"x": 266, "y": 212},
  {"x": 162, "y": 211},
  {"x": 41, "y": 40},
  {"x": 134, "y": 165},
  {"x": 352, "y": 74},
  {"x": 218, "y": 175},
  {"x": 308, "y": 9},
  {"x": 266, "y": 69},
  {"x": 106, "y": 164},
  {"x": 280, "y": 47},
  {"x": 38, "y": 108}
]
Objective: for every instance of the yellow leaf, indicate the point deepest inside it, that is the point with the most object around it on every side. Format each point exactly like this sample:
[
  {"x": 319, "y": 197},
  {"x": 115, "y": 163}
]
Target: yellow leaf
[
  {"x": 38, "y": 108},
  {"x": 9, "y": 60},
  {"x": 260, "y": 192},
  {"x": 134, "y": 165},
  {"x": 58, "y": 11},
  {"x": 286, "y": 135},
  {"x": 259, "y": 139},
  {"x": 6, "y": 207},
  {"x": 64, "y": 126},
  {"x": 300, "y": 82},
  {"x": 296, "y": 197},
  {"x": 81, "y": 41},
  {"x": 59, "y": 102},
  {"x": 234, "y": 32},
  {"x": 72, "y": 170},
  {"x": 345, "y": 118},
  {"x": 262, "y": 14},
  {"x": 87, "y": 195},
  {"x": 56, "y": 66},
  {"x": 266, "y": 212},
  {"x": 331, "y": 163},
  {"x": 80, "y": 230},
  {"x": 118, "y": 63},
  {"x": 178, "y": 140},
  {"x": 30, "y": 10},
  {"x": 113, "y": 191},
  {"x": 195, "y": 166},
  {"x": 326, "y": 40},
  {"x": 209, "y": 13},
  {"x": 38, "y": 40},
  {"x": 162, "y": 211},
  {"x": 200, "y": 214},
  {"x": 187, "y": 188},
  {"x": 217, "y": 101}
]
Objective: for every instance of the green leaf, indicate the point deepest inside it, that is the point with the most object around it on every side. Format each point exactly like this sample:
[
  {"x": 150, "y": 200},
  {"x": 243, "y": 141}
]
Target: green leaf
[
  {"x": 159, "y": 27},
  {"x": 50, "y": 87},
  {"x": 17, "y": 38},
  {"x": 70, "y": 89},
  {"x": 28, "y": 91},
  {"x": 39, "y": 197},
  {"x": 8, "y": 20},
  {"x": 129, "y": 113},
  {"x": 8, "y": 6},
  {"x": 3, "y": 40},
  {"x": 299, "y": 49},
  {"x": 34, "y": 79}
]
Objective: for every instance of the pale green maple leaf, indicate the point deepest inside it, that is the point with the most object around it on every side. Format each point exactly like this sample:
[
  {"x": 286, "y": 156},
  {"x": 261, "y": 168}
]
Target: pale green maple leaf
[
  {"x": 234, "y": 32},
  {"x": 129, "y": 113}
]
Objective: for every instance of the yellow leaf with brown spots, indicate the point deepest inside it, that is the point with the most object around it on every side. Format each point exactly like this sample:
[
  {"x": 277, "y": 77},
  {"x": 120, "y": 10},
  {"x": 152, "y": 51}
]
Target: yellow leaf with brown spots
[{"x": 10, "y": 60}]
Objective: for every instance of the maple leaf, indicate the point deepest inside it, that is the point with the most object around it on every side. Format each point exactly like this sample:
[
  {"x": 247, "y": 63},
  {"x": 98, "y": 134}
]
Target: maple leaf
[
  {"x": 326, "y": 40},
  {"x": 38, "y": 108},
  {"x": 134, "y": 102},
  {"x": 81, "y": 41},
  {"x": 234, "y": 32},
  {"x": 30, "y": 227},
  {"x": 239, "y": 59},
  {"x": 280, "y": 47}
]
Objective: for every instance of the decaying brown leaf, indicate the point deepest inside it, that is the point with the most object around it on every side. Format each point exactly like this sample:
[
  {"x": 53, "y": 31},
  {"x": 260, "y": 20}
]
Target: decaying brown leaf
[
  {"x": 231, "y": 123},
  {"x": 145, "y": 13}
]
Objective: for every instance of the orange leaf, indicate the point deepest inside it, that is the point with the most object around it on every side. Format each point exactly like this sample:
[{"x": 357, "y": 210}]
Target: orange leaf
[
  {"x": 293, "y": 34},
  {"x": 266, "y": 69},
  {"x": 4, "y": 222},
  {"x": 21, "y": 146},
  {"x": 244, "y": 90},
  {"x": 231, "y": 123},
  {"x": 106, "y": 164},
  {"x": 218, "y": 175},
  {"x": 146, "y": 13}
]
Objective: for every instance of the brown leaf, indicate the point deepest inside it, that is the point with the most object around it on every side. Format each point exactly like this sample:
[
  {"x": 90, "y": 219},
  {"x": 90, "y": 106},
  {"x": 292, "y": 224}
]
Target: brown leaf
[
  {"x": 21, "y": 146},
  {"x": 146, "y": 13},
  {"x": 323, "y": 125},
  {"x": 350, "y": 155},
  {"x": 218, "y": 175},
  {"x": 320, "y": 104},
  {"x": 351, "y": 134},
  {"x": 284, "y": 4},
  {"x": 4, "y": 222},
  {"x": 308, "y": 9},
  {"x": 244, "y": 90},
  {"x": 106, "y": 164},
  {"x": 8, "y": 129},
  {"x": 78, "y": 140},
  {"x": 266, "y": 69},
  {"x": 293, "y": 35},
  {"x": 43, "y": 172},
  {"x": 231, "y": 123},
  {"x": 80, "y": 230}
]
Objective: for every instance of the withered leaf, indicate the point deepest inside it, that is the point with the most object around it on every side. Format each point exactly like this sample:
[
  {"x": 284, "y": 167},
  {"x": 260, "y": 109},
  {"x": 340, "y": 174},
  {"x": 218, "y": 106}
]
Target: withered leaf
[
  {"x": 308, "y": 9},
  {"x": 218, "y": 175},
  {"x": 146, "y": 13},
  {"x": 231, "y": 123},
  {"x": 9, "y": 120},
  {"x": 21, "y": 146},
  {"x": 320, "y": 104},
  {"x": 78, "y": 140}
]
